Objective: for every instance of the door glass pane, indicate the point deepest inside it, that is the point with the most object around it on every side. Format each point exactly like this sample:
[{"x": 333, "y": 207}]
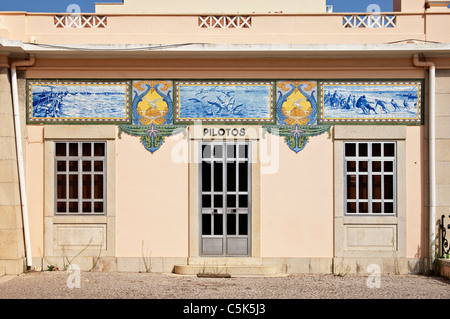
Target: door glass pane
[
  {"x": 231, "y": 201},
  {"x": 218, "y": 224},
  {"x": 218, "y": 176},
  {"x": 231, "y": 176},
  {"x": 206, "y": 177},
  {"x": 206, "y": 201},
  {"x": 243, "y": 201},
  {"x": 218, "y": 201},
  {"x": 206, "y": 151},
  {"x": 243, "y": 177},
  {"x": 231, "y": 224},
  {"x": 243, "y": 224},
  {"x": 231, "y": 151},
  {"x": 61, "y": 186},
  {"x": 206, "y": 224},
  {"x": 243, "y": 151},
  {"x": 218, "y": 151}
]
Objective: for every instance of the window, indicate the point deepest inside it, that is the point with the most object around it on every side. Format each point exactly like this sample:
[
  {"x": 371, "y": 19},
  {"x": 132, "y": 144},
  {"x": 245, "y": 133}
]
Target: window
[
  {"x": 80, "y": 177},
  {"x": 370, "y": 178}
]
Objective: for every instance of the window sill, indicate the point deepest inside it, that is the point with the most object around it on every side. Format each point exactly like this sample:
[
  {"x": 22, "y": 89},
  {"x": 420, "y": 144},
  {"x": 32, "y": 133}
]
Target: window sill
[
  {"x": 79, "y": 219},
  {"x": 370, "y": 219}
]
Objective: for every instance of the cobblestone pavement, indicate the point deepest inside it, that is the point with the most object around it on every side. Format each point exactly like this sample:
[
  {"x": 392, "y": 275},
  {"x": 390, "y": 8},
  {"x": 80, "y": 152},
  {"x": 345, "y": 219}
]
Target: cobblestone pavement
[{"x": 99, "y": 285}]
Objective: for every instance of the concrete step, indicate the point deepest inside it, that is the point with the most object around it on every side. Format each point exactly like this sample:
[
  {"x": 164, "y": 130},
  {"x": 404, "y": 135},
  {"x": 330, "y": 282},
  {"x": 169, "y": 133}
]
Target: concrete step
[
  {"x": 225, "y": 261},
  {"x": 232, "y": 270}
]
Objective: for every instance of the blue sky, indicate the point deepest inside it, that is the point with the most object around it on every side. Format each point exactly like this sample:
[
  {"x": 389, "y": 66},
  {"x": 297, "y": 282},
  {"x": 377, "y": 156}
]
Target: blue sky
[{"x": 88, "y": 5}]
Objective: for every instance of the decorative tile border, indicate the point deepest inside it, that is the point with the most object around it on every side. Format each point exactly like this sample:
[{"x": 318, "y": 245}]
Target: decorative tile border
[
  {"x": 216, "y": 102},
  {"x": 151, "y": 136},
  {"x": 371, "y": 102},
  {"x": 297, "y": 136},
  {"x": 78, "y": 101}
]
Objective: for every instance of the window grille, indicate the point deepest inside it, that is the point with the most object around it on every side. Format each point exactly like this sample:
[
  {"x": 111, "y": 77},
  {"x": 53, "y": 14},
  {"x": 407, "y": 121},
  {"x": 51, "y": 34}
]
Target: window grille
[
  {"x": 80, "y": 177},
  {"x": 370, "y": 178}
]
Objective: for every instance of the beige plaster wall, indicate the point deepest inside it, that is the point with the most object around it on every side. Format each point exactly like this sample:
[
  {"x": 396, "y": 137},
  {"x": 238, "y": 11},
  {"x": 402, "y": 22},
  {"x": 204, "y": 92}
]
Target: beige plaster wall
[
  {"x": 152, "y": 201},
  {"x": 416, "y": 212},
  {"x": 297, "y": 202}
]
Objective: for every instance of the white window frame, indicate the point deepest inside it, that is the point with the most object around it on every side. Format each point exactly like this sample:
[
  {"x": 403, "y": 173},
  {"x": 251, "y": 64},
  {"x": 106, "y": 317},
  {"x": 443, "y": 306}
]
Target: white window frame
[
  {"x": 370, "y": 158},
  {"x": 79, "y": 173}
]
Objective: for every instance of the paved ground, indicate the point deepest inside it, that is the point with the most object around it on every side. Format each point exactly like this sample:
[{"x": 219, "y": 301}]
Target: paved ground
[{"x": 98, "y": 285}]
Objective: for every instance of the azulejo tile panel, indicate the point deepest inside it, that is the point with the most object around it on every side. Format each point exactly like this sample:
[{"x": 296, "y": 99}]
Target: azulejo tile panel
[
  {"x": 152, "y": 102},
  {"x": 78, "y": 101},
  {"x": 213, "y": 102},
  {"x": 371, "y": 102},
  {"x": 296, "y": 102},
  {"x": 154, "y": 109}
]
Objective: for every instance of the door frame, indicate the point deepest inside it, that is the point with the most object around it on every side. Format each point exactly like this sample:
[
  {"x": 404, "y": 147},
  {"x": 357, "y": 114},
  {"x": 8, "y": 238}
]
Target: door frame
[
  {"x": 225, "y": 208},
  {"x": 253, "y": 135}
]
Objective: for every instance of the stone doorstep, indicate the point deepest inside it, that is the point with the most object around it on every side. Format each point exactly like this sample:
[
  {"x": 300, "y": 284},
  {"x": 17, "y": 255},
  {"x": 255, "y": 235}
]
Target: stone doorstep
[
  {"x": 2, "y": 271},
  {"x": 232, "y": 270}
]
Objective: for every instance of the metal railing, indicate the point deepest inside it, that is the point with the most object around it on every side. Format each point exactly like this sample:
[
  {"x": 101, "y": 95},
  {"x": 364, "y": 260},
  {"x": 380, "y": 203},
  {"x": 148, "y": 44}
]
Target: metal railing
[
  {"x": 80, "y": 21},
  {"x": 445, "y": 249},
  {"x": 225, "y": 22},
  {"x": 369, "y": 21}
]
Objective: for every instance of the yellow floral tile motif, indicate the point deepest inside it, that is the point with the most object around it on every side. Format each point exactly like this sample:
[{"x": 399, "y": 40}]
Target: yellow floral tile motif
[
  {"x": 296, "y": 102},
  {"x": 152, "y": 102}
]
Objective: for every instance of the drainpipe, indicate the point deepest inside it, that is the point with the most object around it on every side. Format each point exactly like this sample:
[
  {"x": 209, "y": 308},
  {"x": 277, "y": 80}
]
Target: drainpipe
[
  {"x": 432, "y": 153},
  {"x": 18, "y": 131}
]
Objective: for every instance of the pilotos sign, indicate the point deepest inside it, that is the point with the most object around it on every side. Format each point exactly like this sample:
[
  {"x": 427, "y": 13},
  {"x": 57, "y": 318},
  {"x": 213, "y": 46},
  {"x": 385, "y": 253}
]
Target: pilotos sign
[{"x": 224, "y": 132}]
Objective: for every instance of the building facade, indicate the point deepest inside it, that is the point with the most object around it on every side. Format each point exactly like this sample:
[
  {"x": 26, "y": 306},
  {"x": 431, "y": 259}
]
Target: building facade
[{"x": 246, "y": 138}]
